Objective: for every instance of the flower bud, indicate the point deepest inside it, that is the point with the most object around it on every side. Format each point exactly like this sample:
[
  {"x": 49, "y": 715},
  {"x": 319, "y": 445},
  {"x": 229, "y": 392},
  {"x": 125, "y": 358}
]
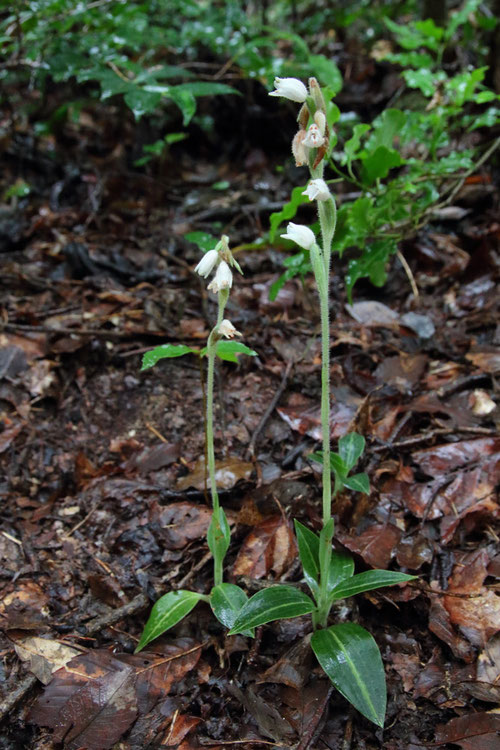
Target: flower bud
[
  {"x": 223, "y": 278},
  {"x": 207, "y": 263},
  {"x": 320, "y": 120},
  {"x": 299, "y": 233},
  {"x": 299, "y": 151},
  {"x": 290, "y": 88},
  {"x": 313, "y": 139},
  {"x": 317, "y": 190},
  {"x": 227, "y": 329}
]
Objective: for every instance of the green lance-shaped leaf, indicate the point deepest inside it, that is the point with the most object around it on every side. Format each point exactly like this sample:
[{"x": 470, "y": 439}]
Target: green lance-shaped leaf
[
  {"x": 367, "y": 581},
  {"x": 218, "y": 534},
  {"x": 274, "y": 603},
  {"x": 167, "y": 612},
  {"x": 226, "y": 601},
  {"x": 351, "y": 449},
  {"x": 358, "y": 483},
  {"x": 308, "y": 543},
  {"x": 341, "y": 569},
  {"x": 166, "y": 351},
  {"x": 351, "y": 659}
]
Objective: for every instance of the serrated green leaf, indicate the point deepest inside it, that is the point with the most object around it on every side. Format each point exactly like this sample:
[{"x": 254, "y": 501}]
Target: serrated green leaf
[
  {"x": 167, "y": 612},
  {"x": 226, "y": 601},
  {"x": 165, "y": 351},
  {"x": 274, "y": 603},
  {"x": 358, "y": 483},
  {"x": 351, "y": 659},
  {"x": 378, "y": 164},
  {"x": 308, "y": 543},
  {"x": 351, "y": 447},
  {"x": 368, "y": 581},
  {"x": 227, "y": 350},
  {"x": 372, "y": 264}
]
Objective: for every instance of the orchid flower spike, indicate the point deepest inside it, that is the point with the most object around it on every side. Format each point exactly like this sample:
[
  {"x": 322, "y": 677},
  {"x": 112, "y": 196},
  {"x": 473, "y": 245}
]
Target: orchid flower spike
[
  {"x": 227, "y": 329},
  {"x": 207, "y": 263},
  {"x": 317, "y": 190},
  {"x": 223, "y": 279},
  {"x": 299, "y": 233},
  {"x": 290, "y": 88}
]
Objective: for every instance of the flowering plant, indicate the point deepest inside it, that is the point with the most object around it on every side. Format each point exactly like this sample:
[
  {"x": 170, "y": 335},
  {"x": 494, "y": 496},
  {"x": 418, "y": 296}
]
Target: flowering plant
[{"x": 346, "y": 651}]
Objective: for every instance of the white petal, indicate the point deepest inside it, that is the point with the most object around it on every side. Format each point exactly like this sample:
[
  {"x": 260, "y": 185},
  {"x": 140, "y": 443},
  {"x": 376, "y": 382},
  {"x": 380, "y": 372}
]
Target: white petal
[
  {"x": 223, "y": 278},
  {"x": 299, "y": 233},
  {"x": 317, "y": 190},
  {"x": 290, "y": 88},
  {"x": 207, "y": 263}
]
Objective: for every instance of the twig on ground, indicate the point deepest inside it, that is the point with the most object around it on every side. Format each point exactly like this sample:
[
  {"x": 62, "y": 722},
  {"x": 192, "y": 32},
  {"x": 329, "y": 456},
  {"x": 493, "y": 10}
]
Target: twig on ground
[{"x": 270, "y": 409}]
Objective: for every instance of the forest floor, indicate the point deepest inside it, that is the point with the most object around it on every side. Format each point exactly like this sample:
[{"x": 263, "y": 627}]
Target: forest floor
[{"x": 104, "y": 504}]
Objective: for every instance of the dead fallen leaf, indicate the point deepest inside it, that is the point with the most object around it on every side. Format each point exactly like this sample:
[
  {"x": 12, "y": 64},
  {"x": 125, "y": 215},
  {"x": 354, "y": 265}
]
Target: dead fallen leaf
[
  {"x": 269, "y": 548},
  {"x": 96, "y": 697},
  {"x": 375, "y": 545},
  {"x": 477, "y": 615},
  {"x": 477, "y": 731},
  {"x": 227, "y": 473},
  {"x": 44, "y": 656},
  {"x": 439, "y": 459},
  {"x": 182, "y": 523},
  {"x": 25, "y": 608}
]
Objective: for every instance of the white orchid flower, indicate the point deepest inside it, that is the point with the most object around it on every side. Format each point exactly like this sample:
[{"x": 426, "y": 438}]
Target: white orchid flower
[
  {"x": 227, "y": 329},
  {"x": 207, "y": 263},
  {"x": 313, "y": 139},
  {"x": 290, "y": 88},
  {"x": 299, "y": 233},
  {"x": 223, "y": 278},
  {"x": 317, "y": 190}
]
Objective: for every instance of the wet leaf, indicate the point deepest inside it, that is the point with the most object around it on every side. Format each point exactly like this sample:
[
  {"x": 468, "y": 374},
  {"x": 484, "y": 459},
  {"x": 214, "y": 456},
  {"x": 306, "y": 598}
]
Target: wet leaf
[
  {"x": 273, "y": 603},
  {"x": 351, "y": 659},
  {"x": 226, "y": 601},
  {"x": 308, "y": 543}
]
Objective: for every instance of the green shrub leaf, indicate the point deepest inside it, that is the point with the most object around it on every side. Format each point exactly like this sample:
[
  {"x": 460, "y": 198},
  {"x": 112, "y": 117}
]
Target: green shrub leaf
[
  {"x": 167, "y": 612},
  {"x": 274, "y": 603},
  {"x": 351, "y": 659}
]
